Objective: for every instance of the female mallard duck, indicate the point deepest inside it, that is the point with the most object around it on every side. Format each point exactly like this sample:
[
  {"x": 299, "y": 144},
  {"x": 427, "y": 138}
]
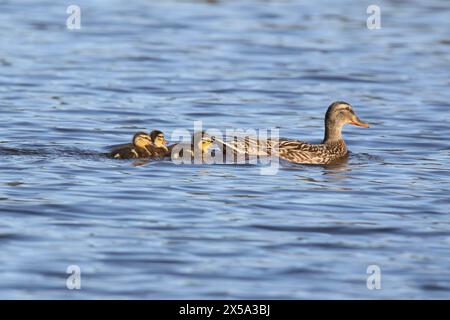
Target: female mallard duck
[
  {"x": 143, "y": 146},
  {"x": 331, "y": 149},
  {"x": 197, "y": 149}
]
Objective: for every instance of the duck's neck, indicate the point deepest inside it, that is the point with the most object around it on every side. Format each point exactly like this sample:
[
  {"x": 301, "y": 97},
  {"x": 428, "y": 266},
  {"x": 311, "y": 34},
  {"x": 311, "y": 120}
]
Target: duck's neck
[{"x": 333, "y": 133}]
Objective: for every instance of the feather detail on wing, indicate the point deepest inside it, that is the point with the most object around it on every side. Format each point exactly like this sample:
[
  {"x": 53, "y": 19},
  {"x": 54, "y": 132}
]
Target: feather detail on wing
[
  {"x": 247, "y": 146},
  {"x": 291, "y": 150},
  {"x": 299, "y": 151}
]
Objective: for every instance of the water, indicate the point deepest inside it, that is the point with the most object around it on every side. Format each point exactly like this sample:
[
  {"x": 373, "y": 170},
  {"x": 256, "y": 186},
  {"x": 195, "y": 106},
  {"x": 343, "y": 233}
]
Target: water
[{"x": 222, "y": 231}]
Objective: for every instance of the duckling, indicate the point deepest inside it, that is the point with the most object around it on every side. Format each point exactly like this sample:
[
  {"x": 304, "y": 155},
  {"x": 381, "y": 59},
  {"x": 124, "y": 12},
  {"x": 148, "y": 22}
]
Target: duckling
[
  {"x": 143, "y": 146},
  {"x": 331, "y": 149},
  {"x": 159, "y": 144},
  {"x": 198, "y": 148}
]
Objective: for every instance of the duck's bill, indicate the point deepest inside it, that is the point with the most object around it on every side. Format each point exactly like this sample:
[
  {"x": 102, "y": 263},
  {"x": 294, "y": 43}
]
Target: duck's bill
[
  {"x": 357, "y": 122},
  {"x": 209, "y": 139}
]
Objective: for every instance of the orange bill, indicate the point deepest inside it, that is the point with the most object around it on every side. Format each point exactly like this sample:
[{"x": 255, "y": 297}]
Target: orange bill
[{"x": 358, "y": 122}]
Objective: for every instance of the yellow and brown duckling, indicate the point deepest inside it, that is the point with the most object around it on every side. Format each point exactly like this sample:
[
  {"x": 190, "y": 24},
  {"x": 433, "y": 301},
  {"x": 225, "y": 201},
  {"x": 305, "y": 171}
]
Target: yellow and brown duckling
[
  {"x": 331, "y": 149},
  {"x": 197, "y": 149},
  {"x": 159, "y": 144},
  {"x": 143, "y": 145}
]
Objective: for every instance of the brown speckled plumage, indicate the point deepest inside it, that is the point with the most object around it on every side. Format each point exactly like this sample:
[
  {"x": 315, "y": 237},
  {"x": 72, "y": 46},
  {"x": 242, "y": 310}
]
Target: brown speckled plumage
[{"x": 302, "y": 152}]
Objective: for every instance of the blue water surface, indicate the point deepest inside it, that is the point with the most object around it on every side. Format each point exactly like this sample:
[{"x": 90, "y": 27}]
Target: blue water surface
[{"x": 162, "y": 230}]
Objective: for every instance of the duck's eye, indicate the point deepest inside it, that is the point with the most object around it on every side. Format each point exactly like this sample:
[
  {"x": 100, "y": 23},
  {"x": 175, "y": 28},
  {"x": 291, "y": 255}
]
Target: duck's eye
[{"x": 348, "y": 109}]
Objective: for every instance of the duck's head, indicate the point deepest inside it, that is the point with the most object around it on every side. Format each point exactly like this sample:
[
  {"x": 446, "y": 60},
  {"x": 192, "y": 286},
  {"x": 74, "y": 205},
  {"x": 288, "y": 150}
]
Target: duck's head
[
  {"x": 340, "y": 113},
  {"x": 203, "y": 141},
  {"x": 158, "y": 139},
  {"x": 142, "y": 140}
]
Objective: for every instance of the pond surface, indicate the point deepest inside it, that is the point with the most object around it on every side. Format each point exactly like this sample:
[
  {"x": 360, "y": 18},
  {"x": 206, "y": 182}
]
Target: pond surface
[{"x": 162, "y": 230}]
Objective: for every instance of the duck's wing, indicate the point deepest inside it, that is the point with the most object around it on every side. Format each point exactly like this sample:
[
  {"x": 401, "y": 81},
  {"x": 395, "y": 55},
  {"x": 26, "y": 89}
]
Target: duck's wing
[
  {"x": 125, "y": 152},
  {"x": 246, "y": 145},
  {"x": 155, "y": 152},
  {"x": 291, "y": 150},
  {"x": 301, "y": 152}
]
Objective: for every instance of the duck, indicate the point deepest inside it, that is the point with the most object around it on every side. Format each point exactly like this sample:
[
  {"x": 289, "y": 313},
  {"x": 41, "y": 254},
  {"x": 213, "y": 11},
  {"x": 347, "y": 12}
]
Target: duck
[
  {"x": 143, "y": 145},
  {"x": 159, "y": 144},
  {"x": 198, "y": 148},
  {"x": 332, "y": 148}
]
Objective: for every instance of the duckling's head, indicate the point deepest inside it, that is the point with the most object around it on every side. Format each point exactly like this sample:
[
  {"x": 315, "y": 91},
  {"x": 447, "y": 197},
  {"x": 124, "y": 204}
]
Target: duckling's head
[
  {"x": 158, "y": 139},
  {"x": 207, "y": 142},
  {"x": 340, "y": 113},
  {"x": 203, "y": 141},
  {"x": 142, "y": 140}
]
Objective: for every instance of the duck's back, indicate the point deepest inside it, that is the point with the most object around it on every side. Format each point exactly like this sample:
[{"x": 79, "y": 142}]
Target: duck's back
[
  {"x": 302, "y": 152},
  {"x": 125, "y": 152},
  {"x": 157, "y": 152}
]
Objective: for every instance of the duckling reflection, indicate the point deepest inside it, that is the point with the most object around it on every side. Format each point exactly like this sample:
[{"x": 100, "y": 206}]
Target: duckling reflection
[{"x": 197, "y": 150}]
